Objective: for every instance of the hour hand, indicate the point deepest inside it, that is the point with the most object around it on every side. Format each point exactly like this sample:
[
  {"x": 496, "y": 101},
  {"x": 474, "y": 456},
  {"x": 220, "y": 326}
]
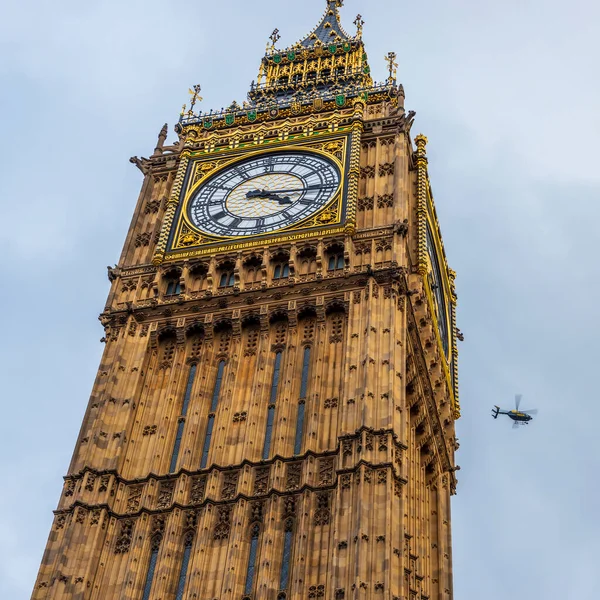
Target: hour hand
[{"x": 268, "y": 196}]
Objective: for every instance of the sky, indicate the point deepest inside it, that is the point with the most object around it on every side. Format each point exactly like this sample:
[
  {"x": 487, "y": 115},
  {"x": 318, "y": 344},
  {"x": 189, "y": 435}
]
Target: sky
[{"x": 508, "y": 95}]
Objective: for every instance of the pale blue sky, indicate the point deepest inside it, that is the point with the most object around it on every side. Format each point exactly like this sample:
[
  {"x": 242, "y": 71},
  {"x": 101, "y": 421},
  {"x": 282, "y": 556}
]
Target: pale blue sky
[{"x": 507, "y": 93}]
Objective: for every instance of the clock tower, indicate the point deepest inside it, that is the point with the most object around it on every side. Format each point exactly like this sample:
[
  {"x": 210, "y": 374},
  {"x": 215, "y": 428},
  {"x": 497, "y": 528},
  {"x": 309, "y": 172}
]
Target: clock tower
[{"x": 273, "y": 416}]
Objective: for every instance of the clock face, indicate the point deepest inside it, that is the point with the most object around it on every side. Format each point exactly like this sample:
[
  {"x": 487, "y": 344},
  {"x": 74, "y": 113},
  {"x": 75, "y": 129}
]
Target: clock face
[
  {"x": 438, "y": 291},
  {"x": 264, "y": 194}
]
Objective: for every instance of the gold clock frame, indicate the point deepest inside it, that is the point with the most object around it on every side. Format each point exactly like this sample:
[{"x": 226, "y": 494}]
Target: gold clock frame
[{"x": 181, "y": 240}]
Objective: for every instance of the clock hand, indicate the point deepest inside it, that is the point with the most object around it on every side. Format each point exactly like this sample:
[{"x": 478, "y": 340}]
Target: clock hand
[{"x": 267, "y": 194}]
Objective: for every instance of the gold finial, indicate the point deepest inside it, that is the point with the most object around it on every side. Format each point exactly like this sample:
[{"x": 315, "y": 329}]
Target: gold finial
[
  {"x": 359, "y": 22},
  {"x": 274, "y": 37},
  {"x": 195, "y": 94},
  {"x": 338, "y": 3},
  {"x": 392, "y": 66},
  {"x": 183, "y": 110},
  {"x": 421, "y": 142}
]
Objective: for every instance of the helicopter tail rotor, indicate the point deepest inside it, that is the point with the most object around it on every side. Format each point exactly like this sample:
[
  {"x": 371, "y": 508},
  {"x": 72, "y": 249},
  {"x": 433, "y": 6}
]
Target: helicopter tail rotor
[{"x": 495, "y": 411}]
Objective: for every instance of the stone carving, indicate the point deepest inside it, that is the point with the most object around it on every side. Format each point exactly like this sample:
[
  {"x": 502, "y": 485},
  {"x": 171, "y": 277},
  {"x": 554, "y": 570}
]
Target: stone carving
[
  {"x": 323, "y": 512},
  {"x": 386, "y": 169},
  {"x": 91, "y": 482},
  {"x": 165, "y": 494},
  {"x": 95, "y": 518},
  {"x": 150, "y": 430},
  {"x": 223, "y": 526},
  {"x": 382, "y": 443},
  {"x": 316, "y": 591},
  {"x": 347, "y": 447},
  {"x": 365, "y": 203},
  {"x": 368, "y": 171},
  {"x": 60, "y": 521},
  {"x": 385, "y": 201},
  {"x": 240, "y": 417},
  {"x": 368, "y": 475},
  {"x": 331, "y": 403},
  {"x": 125, "y": 536},
  {"x": 104, "y": 481},
  {"x": 230, "y": 481},
  {"x": 326, "y": 471},
  {"x": 197, "y": 490},
  {"x": 382, "y": 476},
  {"x": 134, "y": 499},
  {"x": 368, "y": 441},
  {"x": 346, "y": 481},
  {"x": 289, "y": 507},
  {"x": 293, "y": 476},
  {"x": 80, "y": 515},
  {"x": 70, "y": 488},
  {"x": 256, "y": 510},
  {"x": 261, "y": 481}
]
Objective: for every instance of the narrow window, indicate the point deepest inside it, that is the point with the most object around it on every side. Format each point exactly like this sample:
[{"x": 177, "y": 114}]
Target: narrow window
[
  {"x": 231, "y": 280},
  {"x": 340, "y": 261},
  {"x": 271, "y": 415},
  {"x": 187, "y": 553},
  {"x": 224, "y": 279},
  {"x": 302, "y": 404},
  {"x": 287, "y": 555},
  {"x": 211, "y": 416},
  {"x": 181, "y": 425},
  {"x": 252, "y": 560},
  {"x": 151, "y": 568},
  {"x": 277, "y": 273},
  {"x": 173, "y": 288},
  {"x": 332, "y": 263}
]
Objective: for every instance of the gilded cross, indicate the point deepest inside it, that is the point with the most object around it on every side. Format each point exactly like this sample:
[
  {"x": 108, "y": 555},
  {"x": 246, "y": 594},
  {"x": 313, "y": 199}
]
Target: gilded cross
[
  {"x": 195, "y": 94},
  {"x": 392, "y": 65},
  {"x": 275, "y": 37},
  {"x": 359, "y": 22}
]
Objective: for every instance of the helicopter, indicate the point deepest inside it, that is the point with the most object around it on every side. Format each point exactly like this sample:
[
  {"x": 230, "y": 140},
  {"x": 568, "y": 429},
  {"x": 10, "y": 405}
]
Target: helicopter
[{"x": 520, "y": 417}]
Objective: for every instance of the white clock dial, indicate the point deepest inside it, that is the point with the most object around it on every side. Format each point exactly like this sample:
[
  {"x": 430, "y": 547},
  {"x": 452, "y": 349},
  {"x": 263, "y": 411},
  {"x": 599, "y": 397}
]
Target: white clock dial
[{"x": 264, "y": 194}]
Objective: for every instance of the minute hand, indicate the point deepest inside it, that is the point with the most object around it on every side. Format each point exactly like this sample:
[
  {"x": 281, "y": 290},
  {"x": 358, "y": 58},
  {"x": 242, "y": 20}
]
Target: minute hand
[{"x": 310, "y": 187}]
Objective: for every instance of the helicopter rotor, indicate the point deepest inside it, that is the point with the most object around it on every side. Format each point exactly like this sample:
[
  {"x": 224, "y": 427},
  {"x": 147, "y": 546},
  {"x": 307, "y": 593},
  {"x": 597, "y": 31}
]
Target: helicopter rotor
[{"x": 518, "y": 398}]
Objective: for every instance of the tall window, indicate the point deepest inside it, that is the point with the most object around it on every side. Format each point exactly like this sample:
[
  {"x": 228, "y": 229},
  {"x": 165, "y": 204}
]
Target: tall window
[
  {"x": 284, "y": 576},
  {"x": 211, "y": 417},
  {"x": 181, "y": 424},
  {"x": 185, "y": 563},
  {"x": 151, "y": 567},
  {"x": 302, "y": 403},
  {"x": 272, "y": 399},
  {"x": 255, "y": 532}
]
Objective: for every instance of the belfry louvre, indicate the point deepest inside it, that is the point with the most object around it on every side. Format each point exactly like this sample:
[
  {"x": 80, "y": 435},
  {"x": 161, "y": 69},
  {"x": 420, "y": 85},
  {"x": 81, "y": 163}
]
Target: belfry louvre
[{"x": 273, "y": 416}]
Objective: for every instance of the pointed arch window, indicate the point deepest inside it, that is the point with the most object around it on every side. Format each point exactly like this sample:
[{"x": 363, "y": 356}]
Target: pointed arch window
[
  {"x": 272, "y": 399},
  {"x": 211, "y": 417},
  {"x": 251, "y": 570},
  {"x": 302, "y": 402},
  {"x": 185, "y": 563},
  {"x": 181, "y": 424},
  {"x": 151, "y": 567}
]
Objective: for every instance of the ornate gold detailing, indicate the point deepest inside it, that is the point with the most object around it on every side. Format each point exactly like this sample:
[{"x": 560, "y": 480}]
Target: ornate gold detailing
[
  {"x": 342, "y": 147},
  {"x": 171, "y": 208},
  {"x": 392, "y": 66}
]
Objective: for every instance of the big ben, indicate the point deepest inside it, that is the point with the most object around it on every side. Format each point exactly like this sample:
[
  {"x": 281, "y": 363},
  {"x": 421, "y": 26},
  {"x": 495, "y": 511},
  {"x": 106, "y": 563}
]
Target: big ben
[{"x": 274, "y": 413}]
